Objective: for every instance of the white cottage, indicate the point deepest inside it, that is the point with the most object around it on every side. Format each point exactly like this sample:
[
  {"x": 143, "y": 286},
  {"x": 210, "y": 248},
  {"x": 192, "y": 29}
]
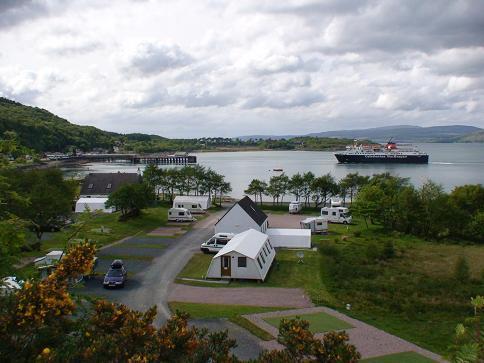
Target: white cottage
[
  {"x": 248, "y": 255},
  {"x": 243, "y": 215}
]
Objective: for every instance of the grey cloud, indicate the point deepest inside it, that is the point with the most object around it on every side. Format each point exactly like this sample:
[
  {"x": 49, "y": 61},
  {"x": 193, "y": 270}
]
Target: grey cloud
[
  {"x": 151, "y": 59},
  {"x": 302, "y": 98},
  {"x": 13, "y": 12}
]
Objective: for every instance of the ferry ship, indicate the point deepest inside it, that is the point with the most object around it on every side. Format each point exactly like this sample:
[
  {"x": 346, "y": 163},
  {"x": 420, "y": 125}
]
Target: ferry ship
[{"x": 377, "y": 153}]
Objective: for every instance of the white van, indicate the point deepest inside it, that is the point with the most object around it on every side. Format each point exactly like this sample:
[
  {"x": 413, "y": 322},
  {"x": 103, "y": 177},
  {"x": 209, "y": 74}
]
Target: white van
[
  {"x": 179, "y": 215},
  {"x": 315, "y": 224},
  {"x": 216, "y": 243},
  {"x": 295, "y": 207},
  {"x": 336, "y": 215}
]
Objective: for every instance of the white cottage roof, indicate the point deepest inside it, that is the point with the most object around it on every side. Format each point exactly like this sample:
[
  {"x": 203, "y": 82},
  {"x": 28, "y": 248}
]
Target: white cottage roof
[{"x": 247, "y": 243}]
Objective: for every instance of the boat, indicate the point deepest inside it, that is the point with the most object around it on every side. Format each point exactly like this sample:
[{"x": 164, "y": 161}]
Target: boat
[
  {"x": 378, "y": 153},
  {"x": 277, "y": 169}
]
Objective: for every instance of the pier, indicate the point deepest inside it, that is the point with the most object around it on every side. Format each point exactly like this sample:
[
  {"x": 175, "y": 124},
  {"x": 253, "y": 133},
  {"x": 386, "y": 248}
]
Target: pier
[{"x": 159, "y": 158}]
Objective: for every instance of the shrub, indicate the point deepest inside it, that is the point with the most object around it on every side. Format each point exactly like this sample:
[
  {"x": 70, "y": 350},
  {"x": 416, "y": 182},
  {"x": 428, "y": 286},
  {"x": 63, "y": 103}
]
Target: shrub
[
  {"x": 372, "y": 252},
  {"x": 357, "y": 233},
  {"x": 461, "y": 272},
  {"x": 388, "y": 250},
  {"x": 330, "y": 249}
]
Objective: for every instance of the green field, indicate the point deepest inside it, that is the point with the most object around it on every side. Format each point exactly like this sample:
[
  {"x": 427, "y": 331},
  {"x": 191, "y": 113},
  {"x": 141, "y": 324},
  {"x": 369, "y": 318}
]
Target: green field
[
  {"x": 406, "y": 357},
  {"x": 411, "y": 294},
  {"x": 318, "y": 323},
  {"x": 90, "y": 228},
  {"x": 231, "y": 312}
]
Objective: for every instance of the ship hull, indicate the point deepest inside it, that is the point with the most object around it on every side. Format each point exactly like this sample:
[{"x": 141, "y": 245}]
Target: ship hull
[{"x": 394, "y": 159}]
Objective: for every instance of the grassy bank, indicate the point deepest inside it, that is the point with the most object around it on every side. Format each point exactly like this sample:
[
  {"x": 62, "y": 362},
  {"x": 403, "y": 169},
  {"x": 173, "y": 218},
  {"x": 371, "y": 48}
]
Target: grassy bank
[
  {"x": 104, "y": 228},
  {"x": 399, "y": 283},
  {"x": 231, "y": 312}
]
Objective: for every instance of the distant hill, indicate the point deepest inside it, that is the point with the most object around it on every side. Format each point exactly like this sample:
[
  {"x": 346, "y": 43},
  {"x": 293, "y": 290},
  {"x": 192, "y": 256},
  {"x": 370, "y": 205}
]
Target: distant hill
[
  {"x": 400, "y": 133},
  {"x": 42, "y": 131},
  {"x": 477, "y": 136}
]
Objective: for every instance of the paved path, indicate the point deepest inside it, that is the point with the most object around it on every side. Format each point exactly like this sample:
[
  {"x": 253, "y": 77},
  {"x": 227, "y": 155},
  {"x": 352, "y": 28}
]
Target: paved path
[
  {"x": 155, "y": 284},
  {"x": 252, "y": 296},
  {"x": 369, "y": 341}
]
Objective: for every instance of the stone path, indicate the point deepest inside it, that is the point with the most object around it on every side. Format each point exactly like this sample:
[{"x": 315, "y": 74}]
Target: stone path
[
  {"x": 369, "y": 341},
  {"x": 251, "y": 296}
]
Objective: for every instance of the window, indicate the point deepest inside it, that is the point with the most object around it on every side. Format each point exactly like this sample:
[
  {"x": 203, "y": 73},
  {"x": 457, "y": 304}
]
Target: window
[
  {"x": 264, "y": 249},
  {"x": 262, "y": 257},
  {"x": 194, "y": 206},
  {"x": 324, "y": 213},
  {"x": 334, "y": 213},
  {"x": 260, "y": 264},
  {"x": 242, "y": 262},
  {"x": 90, "y": 186},
  {"x": 181, "y": 213},
  {"x": 109, "y": 186},
  {"x": 267, "y": 246},
  {"x": 270, "y": 244},
  {"x": 180, "y": 205}
]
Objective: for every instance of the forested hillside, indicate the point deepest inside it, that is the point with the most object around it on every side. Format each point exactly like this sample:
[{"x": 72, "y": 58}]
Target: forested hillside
[{"x": 41, "y": 130}]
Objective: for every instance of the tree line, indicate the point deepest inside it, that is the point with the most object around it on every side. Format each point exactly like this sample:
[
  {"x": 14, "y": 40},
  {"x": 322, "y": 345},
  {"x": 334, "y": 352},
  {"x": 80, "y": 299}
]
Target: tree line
[
  {"x": 427, "y": 211},
  {"x": 307, "y": 188},
  {"x": 187, "y": 180}
]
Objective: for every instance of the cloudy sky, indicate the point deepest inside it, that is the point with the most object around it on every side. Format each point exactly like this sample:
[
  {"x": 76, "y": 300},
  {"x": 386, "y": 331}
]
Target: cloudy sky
[{"x": 229, "y": 68}]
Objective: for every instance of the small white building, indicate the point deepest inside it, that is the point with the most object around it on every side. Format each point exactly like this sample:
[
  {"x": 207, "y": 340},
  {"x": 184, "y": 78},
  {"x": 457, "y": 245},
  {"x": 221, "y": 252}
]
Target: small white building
[
  {"x": 93, "y": 204},
  {"x": 289, "y": 238},
  {"x": 243, "y": 215},
  {"x": 194, "y": 203},
  {"x": 248, "y": 255}
]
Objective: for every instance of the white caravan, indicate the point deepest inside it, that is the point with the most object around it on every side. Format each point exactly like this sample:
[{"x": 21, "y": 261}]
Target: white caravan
[
  {"x": 216, "y": 243},
  {"x": 336, "y": 214},
  {"x": 315, "y": 224},
  {"x": 180, "y": 215},
  {"x": 194, "y": 203},
  {"x": 295, "y": 207}
]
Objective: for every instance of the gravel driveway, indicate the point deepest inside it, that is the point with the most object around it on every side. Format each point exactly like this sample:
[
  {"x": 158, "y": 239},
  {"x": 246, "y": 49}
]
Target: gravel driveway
[{"x": 252, "y": 296}]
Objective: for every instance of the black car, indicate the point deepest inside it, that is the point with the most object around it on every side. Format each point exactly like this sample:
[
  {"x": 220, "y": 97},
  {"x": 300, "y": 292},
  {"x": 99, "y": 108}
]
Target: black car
[{"x": 116, "y": 275}]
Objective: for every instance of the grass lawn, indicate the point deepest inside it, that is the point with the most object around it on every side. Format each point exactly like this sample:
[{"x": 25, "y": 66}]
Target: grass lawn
[
  {"x": 318, "y": 323},
  {"x": 285, "y": 272},
  {"x": 150, "y": 219},
  {"x": 406, "y": 357},
  {"x": 231, "y": 312}
]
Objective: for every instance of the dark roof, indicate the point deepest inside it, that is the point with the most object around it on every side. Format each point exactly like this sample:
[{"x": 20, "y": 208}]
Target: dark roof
[
  {"x": 106, "y": 183},
  {"x": 251, "y": 209}
]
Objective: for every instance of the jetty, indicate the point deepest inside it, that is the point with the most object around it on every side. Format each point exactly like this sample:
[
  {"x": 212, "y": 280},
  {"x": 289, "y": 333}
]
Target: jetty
[{"x": 133, "y": 158}]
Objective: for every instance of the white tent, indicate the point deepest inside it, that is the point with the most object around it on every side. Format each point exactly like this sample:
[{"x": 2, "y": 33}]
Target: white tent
[
  {"x": 289, "y": 238},
  {"x": 194, "y": 203},
  {"x": 248, "y": 255},
  {"x": 94, "y": 204}
]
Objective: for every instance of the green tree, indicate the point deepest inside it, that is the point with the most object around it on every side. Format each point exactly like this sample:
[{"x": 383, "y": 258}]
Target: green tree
[
  {"x": 308, "y": 178},
  {"x": 256, "y": 188},
  {"x": 152, "y": 178},
  {"x": 130, "y": 199},
  {"x": 296, "y": 185},
  {"x": 12, "y": 238},
  {"x": 323, "y": 188},
  {"x": 353, "y": 183}
]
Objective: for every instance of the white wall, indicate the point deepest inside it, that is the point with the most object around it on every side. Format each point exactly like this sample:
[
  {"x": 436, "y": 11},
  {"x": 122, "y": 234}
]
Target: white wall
[
  {"x": 187, "y": 202},
  {"x": 236, "y": 221},
  {"x": 82, "y": 205},
  {"x": 290, "y": 238}
]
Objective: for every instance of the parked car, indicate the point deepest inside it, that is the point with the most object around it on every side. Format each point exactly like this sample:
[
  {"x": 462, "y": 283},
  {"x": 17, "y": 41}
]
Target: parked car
[
  {"x": 216, "y": 243},
  {"x": 10, "y": 284},
  {"x": 116, "y": 275},
  {"x": 295, "y": 207}
]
